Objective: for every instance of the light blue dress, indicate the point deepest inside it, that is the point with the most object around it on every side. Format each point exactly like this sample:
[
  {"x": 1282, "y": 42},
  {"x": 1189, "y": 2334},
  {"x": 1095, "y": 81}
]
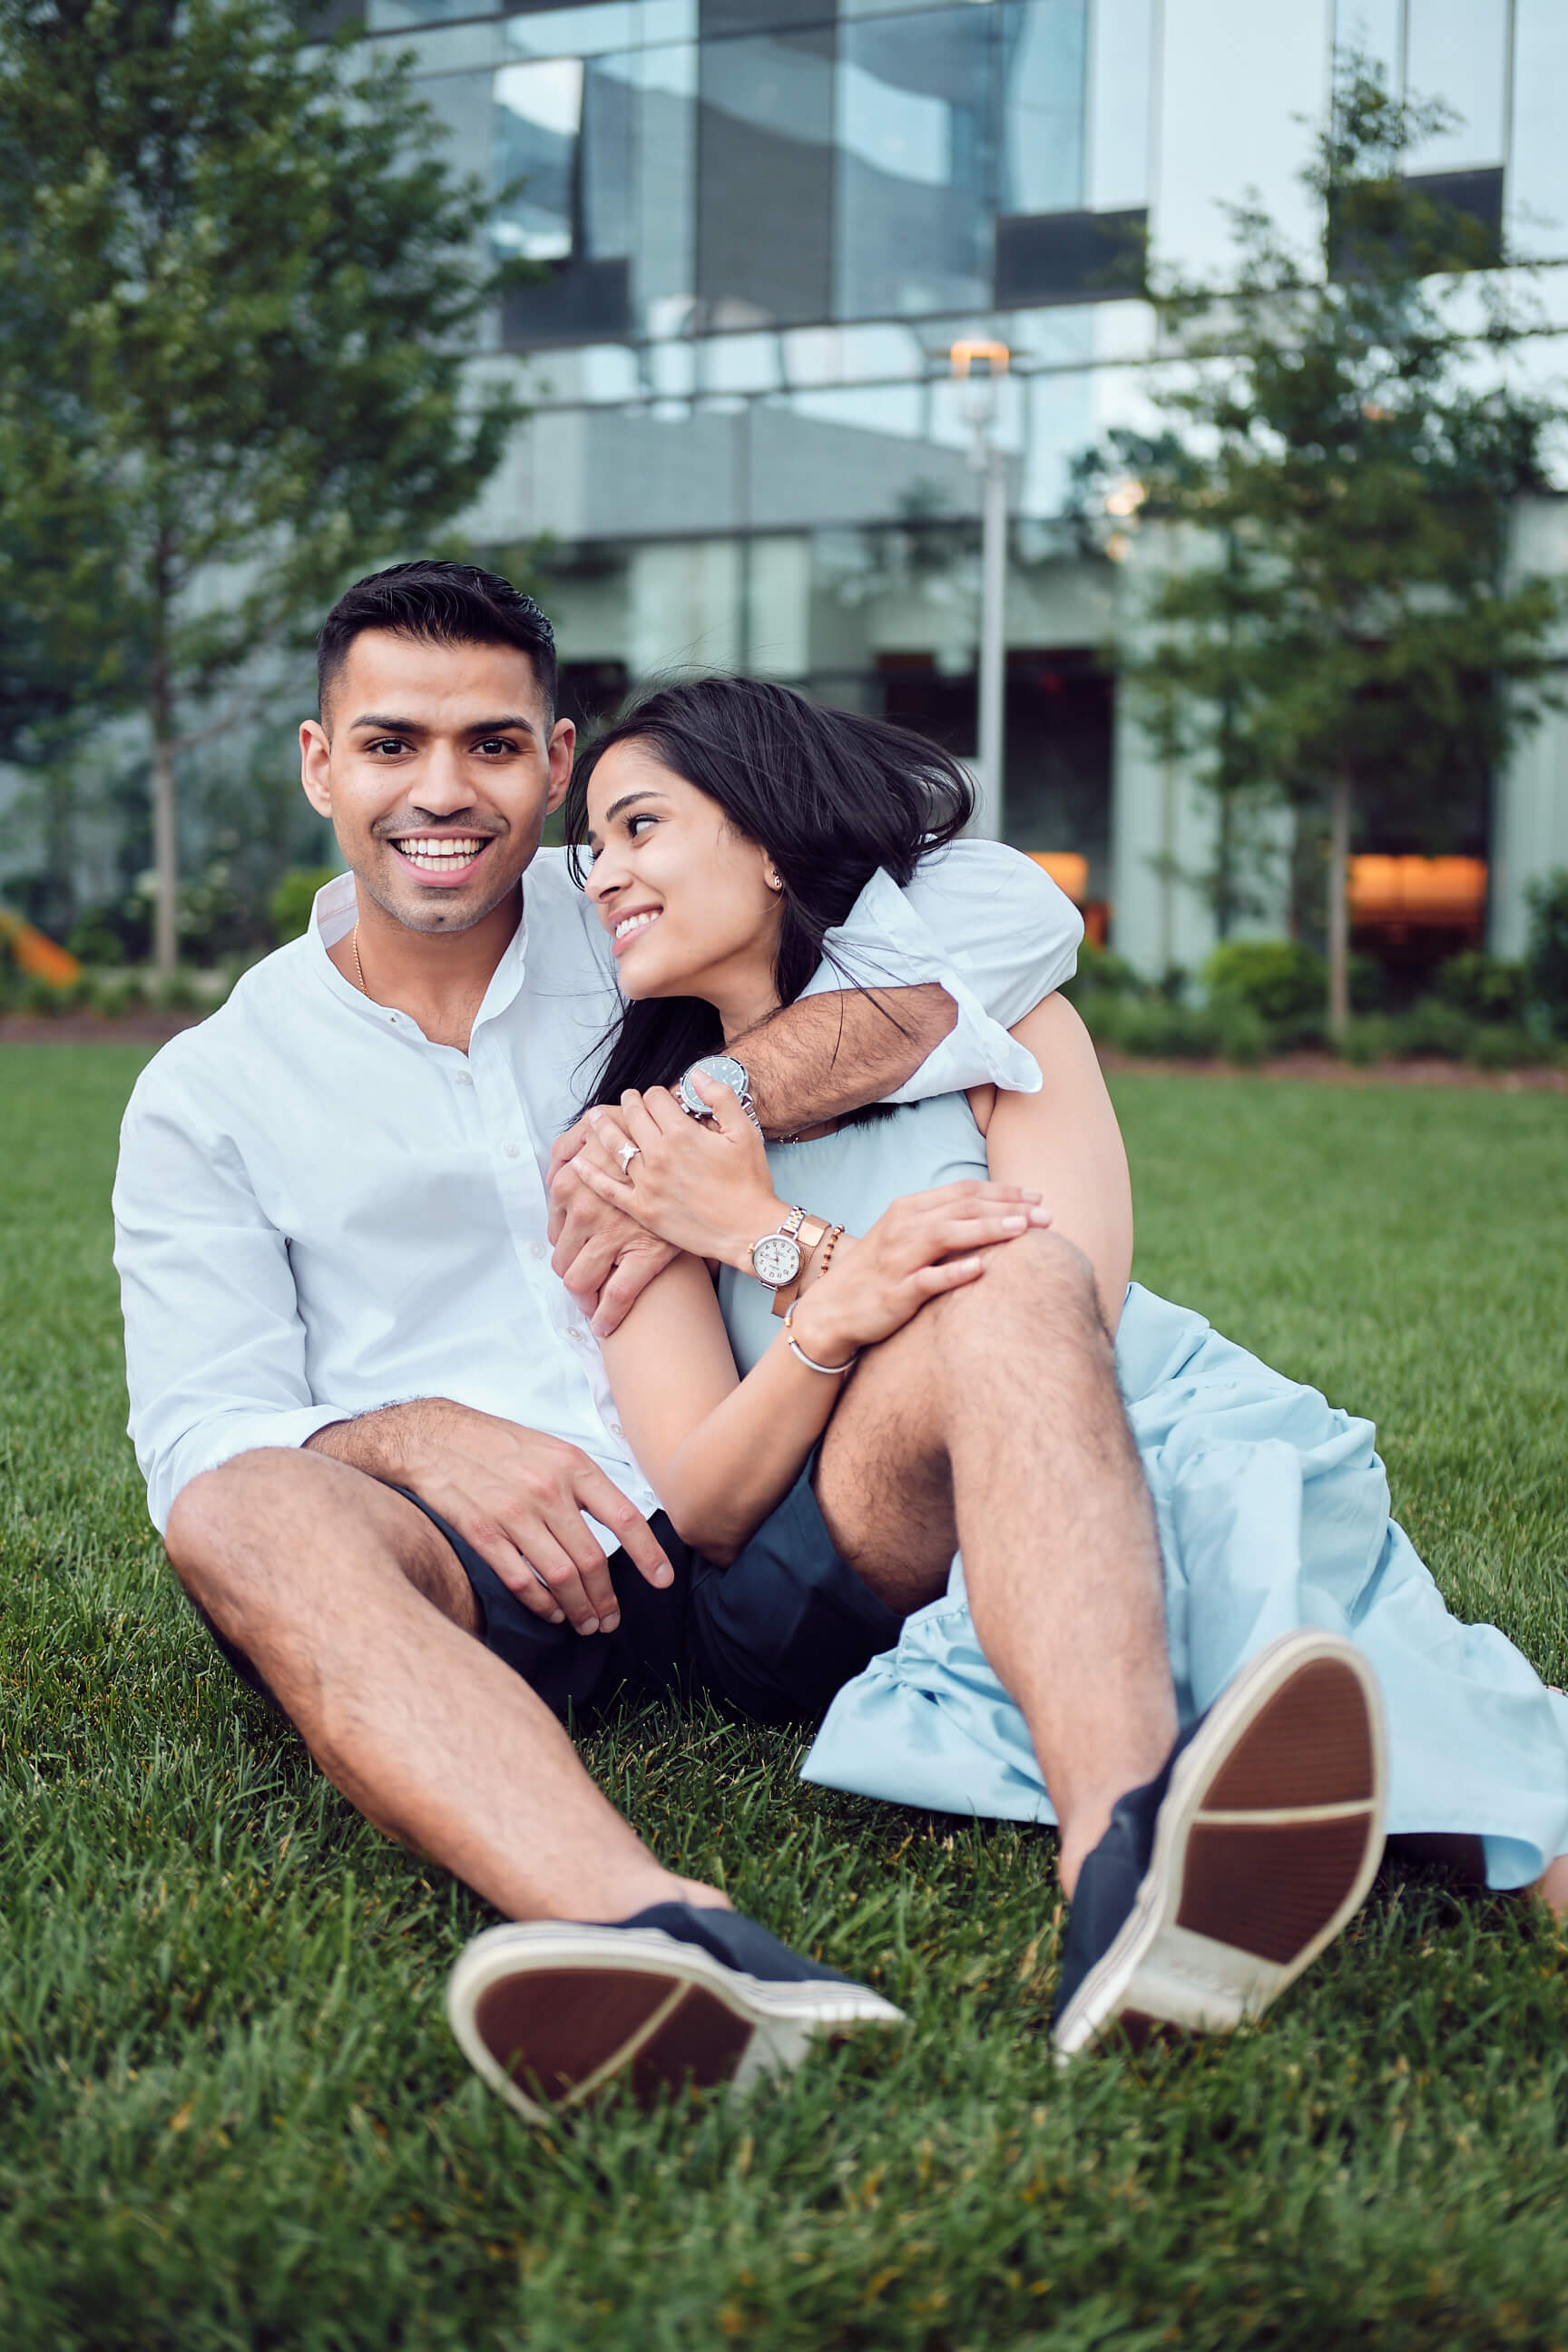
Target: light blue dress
[{"x": 1273, "y": 1513}]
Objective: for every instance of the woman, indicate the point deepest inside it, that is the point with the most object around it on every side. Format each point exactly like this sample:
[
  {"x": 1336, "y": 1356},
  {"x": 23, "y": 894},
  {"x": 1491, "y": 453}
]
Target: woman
[{"x": 730, "y": 825}]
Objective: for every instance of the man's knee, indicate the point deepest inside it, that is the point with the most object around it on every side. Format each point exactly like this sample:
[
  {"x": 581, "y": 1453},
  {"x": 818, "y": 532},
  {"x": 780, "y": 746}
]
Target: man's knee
[{"x": 1040, "y": 1276}]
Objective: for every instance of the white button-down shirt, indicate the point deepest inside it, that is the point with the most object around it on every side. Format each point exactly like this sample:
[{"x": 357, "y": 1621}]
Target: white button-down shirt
[{"x": 318, "y": 1211}]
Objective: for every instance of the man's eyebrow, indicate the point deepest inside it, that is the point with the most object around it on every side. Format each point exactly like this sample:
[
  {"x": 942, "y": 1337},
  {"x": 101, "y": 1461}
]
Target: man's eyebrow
[
  {"x": 384, "y": 724},
  {"x": 643, "y": 792}
]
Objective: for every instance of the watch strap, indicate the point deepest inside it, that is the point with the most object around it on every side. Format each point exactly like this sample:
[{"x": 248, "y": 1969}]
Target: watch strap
[{"x": 810, "y": 1232}]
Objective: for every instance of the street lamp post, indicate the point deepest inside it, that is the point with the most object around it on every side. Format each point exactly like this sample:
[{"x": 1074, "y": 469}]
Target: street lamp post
[{"x": 979, "y": 365}]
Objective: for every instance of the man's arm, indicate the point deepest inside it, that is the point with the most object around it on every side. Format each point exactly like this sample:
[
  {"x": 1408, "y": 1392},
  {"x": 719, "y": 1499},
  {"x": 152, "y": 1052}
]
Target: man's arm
[
  {"x": 216, "y": 1365},
  {"x": 936, "y": 973}
]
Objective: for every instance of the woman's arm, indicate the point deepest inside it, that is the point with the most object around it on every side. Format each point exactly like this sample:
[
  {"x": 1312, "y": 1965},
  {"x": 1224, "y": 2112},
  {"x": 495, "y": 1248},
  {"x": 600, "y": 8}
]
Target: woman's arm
[
  {"x": 721, "y": 1452},
  {"x": 1064, "y": 1142}
]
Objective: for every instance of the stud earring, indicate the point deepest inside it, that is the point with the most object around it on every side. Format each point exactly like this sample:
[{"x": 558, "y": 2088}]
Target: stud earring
[{"x": 774, "y": 881}]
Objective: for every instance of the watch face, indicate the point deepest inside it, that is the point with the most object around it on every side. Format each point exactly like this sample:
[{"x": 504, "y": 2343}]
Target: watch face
[
  {"x": 721, "y": 1067},
  {"x": 775, "y": 1259}
]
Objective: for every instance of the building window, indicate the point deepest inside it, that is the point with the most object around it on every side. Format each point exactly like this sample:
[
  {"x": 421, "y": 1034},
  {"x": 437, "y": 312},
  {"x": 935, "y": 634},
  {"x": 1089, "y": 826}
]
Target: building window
[
  {"x": 764, "y": 228},
  {"x": 915, "y": 164}
]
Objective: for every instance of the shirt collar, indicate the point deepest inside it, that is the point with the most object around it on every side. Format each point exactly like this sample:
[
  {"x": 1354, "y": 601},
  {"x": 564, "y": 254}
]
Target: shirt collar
[{"x": 332, "y": 914}]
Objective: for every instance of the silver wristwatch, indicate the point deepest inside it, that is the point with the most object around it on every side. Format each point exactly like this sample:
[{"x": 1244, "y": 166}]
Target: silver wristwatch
[
  {"x": 776, "y": 1258},
  {"x": 725, "y": 1071}
]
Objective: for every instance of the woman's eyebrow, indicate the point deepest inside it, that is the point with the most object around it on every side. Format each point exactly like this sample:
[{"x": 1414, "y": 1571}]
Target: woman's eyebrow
[{"x": 643, "y": 792}]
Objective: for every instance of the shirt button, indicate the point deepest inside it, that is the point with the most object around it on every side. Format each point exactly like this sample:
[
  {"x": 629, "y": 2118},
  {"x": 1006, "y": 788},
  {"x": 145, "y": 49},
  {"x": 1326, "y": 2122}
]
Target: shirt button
[
  {"x": 464, "y": 1078},
  {"x": 512, "y": 1151},
  {"x": 538, "y": 1251}
]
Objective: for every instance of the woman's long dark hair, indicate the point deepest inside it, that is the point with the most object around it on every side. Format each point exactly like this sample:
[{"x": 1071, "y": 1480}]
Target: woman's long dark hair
[{"x": 831, "y": 796}]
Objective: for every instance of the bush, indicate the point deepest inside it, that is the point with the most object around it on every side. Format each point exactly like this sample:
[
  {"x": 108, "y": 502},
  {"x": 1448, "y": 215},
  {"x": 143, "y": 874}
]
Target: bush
[
  {"x": 288, "y": 906},
  {"x": 1373, "y": 1039},
  {"x": 1282, "y": 979},
  {"x": 1546, "y": 958},
  {"x": 1505, "y": 1046},
  {"x": 1150, "y": 1025},
  {"x": 1101, "y": 973},
  {"x": 1433, "y": 1027},
  {"x": 1484, "y": 987}
]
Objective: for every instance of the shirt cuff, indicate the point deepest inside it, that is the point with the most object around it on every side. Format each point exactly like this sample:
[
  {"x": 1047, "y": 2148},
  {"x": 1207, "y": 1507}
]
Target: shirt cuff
[
  {"x": 217, "y": 1441},
  {"x": 884, "y": 944}
]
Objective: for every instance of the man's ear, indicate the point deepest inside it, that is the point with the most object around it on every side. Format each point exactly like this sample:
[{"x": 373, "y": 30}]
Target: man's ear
[
  {"x": 563, "y": 749},
  {"x": 315, "y": 766}
]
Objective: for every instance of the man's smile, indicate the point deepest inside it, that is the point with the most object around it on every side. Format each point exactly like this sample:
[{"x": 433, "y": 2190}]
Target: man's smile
[{"x": 442, "y": 857}]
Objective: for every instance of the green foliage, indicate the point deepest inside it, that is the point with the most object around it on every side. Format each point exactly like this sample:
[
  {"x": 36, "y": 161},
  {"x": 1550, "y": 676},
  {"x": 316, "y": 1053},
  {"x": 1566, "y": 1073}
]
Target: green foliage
[
  {"x": 288, "y": 907},
  {"x": 1486, "y": 987},
  {"x": 239, "y": 295},
  {"x": 234, "y": 2117},
  {"x": 1332, "y": 612},
  {"x": 1101, "y": 973},
  {"x": 1281, "y": 978},
  {"x": 1546, "y": 961},
  {"x": 1157, "y": 1027}
]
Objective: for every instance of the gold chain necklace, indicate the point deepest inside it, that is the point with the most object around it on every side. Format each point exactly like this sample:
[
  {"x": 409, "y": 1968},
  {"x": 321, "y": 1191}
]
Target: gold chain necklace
[{"x": 359, "y": 968}]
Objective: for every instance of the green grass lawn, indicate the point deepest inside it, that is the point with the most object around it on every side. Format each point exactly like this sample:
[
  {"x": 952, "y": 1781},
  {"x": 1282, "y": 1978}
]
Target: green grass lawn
[{"x": 232, "y": 2113}]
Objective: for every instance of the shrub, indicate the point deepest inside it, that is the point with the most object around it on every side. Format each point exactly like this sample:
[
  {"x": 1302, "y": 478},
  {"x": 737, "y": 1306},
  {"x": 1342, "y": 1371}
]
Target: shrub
[
  {"x": 1505, "y": 1046},
  {"x": 1485, "y": 987},
  {"x": 288, "y": 907},
  {"x": 1546, "y": 958},
  {"x": 1433, "y": 1027},
  {"x": 1101, "y": 973},
  {"x": 1165, "y": 1032},
  {"x": 1282, "y": 979},
  {"x": 1372, "y": 1039}
]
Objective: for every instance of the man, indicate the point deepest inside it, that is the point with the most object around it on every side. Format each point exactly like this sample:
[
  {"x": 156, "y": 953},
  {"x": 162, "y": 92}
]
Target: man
[{"x": 375, "y": 1429}]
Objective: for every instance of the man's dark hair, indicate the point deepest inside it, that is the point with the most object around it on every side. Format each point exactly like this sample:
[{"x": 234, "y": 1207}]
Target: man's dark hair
[{"x": 439, "y": 603}]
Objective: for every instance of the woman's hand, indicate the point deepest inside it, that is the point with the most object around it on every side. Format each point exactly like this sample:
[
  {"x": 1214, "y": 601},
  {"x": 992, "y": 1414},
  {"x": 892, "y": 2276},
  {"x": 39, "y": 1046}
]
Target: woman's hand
[
  {"x": 925, "y": 1245},
  {"x": 708, "y": 1190}
]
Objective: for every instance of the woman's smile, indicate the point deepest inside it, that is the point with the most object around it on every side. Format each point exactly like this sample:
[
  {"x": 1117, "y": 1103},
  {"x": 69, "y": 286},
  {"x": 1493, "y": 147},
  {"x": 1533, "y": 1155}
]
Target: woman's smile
[{"x": 630, "y": 926}]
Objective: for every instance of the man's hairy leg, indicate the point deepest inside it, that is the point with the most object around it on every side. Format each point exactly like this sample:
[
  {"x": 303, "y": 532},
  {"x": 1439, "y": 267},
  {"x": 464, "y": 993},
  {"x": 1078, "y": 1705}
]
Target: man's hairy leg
[
  {"x": 993, "y": 1423},
  {"x": 360, "y": 1618}
]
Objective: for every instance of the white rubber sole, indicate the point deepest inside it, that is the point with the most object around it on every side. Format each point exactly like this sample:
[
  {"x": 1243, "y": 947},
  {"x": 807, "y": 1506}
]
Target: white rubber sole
[
  {"x": 549, "y": 2013},
  {"x": 1268, "y": 1838}
]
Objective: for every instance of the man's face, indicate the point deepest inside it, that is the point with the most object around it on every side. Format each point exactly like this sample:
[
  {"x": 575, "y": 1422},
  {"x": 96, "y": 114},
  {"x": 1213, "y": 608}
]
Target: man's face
[{"x": 436, "y": 765}]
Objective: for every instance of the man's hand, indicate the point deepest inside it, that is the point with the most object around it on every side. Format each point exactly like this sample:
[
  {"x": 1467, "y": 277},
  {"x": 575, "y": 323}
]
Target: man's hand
[
  {"x": 603, "y": 1256},
  {"x": 517, "y": 1496},
  {"x": 706, "y": 1187}
]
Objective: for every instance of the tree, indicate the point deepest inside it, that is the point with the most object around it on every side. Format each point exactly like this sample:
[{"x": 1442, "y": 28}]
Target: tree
[
  {"x": 239, "y": 298},
  {"x": 1339, "y": 455}
]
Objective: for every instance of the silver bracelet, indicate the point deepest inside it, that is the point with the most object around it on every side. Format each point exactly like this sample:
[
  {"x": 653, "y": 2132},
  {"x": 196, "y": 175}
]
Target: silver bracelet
[{"x": 798, "y": 1352}]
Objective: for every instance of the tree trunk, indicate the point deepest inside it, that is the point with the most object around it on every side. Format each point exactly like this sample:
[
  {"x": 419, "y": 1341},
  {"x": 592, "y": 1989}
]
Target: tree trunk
[
  {"x": 1340, "y": 908},
  {"x": 166, "y": 827}
]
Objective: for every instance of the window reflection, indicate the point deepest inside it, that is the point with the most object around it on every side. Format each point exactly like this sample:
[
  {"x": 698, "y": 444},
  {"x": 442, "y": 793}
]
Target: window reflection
[
  {"x": 914, "y": 136},
  {"x": 533, "y": 158},
  {"x": 1456, "y": 50},
  {"x": 1538, "y": 165},
  {"x": 1044, "y": 53},
  {"x": 399, "y": 15},
  {"x": 765, "y": 161}
]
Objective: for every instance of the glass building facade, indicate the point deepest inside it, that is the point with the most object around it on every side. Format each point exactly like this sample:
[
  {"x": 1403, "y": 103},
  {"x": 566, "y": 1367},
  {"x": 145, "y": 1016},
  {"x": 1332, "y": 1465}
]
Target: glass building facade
[{"x": 759, "y": 225}]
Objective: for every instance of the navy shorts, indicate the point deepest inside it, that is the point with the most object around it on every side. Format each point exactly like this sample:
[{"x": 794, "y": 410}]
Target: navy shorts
[{"x": 773, "y": 1636}]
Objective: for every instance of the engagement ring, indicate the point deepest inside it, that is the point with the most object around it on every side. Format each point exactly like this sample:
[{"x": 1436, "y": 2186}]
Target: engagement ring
[{"x": 628, "y": 1153}]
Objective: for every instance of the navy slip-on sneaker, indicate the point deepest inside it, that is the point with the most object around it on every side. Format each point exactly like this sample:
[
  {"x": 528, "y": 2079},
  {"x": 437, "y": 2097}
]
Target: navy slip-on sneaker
[
  {"x": 1218, "y": 1883},
  {"x": 551, "y": 2010}
]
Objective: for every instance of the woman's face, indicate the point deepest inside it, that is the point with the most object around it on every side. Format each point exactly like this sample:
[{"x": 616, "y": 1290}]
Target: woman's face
[{"x": 685, "y": 897}]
